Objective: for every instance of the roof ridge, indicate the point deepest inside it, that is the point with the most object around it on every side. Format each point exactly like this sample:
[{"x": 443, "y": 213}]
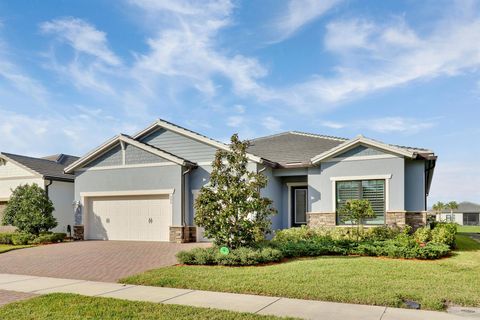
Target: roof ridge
[
  {"x": 316, "y": 135},
  {"x": 30, "y": 157}
]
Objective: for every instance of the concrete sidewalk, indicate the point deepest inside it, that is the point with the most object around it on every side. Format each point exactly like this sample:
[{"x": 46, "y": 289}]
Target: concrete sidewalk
[{"x": 305, "y": 309}]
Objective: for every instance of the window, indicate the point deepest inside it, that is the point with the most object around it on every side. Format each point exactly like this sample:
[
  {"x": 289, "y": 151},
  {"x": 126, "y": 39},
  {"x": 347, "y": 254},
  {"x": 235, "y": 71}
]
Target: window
[{"x": 371, "y": 190}]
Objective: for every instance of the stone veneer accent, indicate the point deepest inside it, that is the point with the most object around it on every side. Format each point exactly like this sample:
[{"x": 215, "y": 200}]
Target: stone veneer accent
[
  {"x": 392, "y": 219},
  {"x": 183, "y": 234},
  {"x": 321, "y": 219},
  {"x": 78, "y": 232}
]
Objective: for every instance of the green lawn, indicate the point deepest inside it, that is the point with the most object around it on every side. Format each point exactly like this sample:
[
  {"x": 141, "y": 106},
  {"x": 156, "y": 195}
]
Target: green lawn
[
  {"x": 365, "y": 280},
  {"x": 469, "y": 229},
  {"x": 74, "y": 307},
  {"x": 10, "y": 247}
]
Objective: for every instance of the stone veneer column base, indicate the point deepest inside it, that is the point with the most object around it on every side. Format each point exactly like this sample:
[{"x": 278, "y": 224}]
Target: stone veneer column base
[
  {"x": 321, "y": 219},
  {"x": 78, "y": 232},
  {"x": 183, "y": 234},
  {"x": 406, "y": 218}
]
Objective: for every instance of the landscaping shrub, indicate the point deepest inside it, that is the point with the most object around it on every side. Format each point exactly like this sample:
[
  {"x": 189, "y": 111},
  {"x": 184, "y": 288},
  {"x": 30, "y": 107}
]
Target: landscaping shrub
[
  {"x": 401, "y": 249},
  {"x": 243, "y": 256},
  {"x": 49, "y": 238},
  {"x": 20, "y": 238},
  {"x": 423, "y": 235},
  {"x": 6, "y": 238},
  {"x": 444, "y": 233}
]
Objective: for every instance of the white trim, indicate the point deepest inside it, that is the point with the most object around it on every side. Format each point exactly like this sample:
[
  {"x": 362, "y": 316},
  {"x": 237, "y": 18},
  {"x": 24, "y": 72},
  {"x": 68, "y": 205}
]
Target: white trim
[
  {"x": 371, "y": 177},
  {"x": 289, "y": 196},
  {"x": 193, "y": 135},
  {"x": 385, "y": 177},
  {"x": 128, "y": 166},
  {"x": 126, "y": 193},
  {"x": 124, "y": 153},
  {"x": 357, "y": 158},
  {"x": 359, "y": 141}
]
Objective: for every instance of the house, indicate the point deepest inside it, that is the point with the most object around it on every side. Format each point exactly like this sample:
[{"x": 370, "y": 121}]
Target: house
[
  {"x": 467, "y": 214},
  {"x": 48, "y": 173},
  {"x": 143, "y": 187}
]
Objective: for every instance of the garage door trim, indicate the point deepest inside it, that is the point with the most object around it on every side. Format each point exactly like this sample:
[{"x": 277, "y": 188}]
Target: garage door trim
[{"x": 87, "y": 195}]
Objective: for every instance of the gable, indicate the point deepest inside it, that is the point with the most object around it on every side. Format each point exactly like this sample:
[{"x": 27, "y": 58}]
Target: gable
[
  {"x": 11, "y": 170},
  {"x": 180, "y": 145},
  {"x": 112, "y": 157},
  {"x": 360, "y": 151},
  {"x": 134, "y": 155}
]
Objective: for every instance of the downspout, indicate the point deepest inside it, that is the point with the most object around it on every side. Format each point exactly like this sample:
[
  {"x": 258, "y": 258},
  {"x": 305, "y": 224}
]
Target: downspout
[
  {"x": 183, "y": 196},
  {"x": 46, "y": 187}
]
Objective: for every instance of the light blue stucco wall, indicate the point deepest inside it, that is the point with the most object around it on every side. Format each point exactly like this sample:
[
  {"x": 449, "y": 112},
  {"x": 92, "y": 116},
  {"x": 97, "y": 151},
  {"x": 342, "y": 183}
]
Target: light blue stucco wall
[
  {"x": 273, "y": 191},
  {"x": 320, "y": 185},
  {"x": 133, "y": 179},
  {"x": 415, "y": 185}
]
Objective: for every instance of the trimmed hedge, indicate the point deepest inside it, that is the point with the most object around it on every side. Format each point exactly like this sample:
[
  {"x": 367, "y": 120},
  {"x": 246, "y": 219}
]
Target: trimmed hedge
[
  {"x": 19, "y": 238},
  {"x": 244, "y": 256}
]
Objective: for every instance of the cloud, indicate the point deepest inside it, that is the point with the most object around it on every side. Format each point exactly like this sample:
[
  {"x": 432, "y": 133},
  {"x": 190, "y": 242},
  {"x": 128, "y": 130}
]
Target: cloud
[
  {"x": 272, "y": 124},
  {"x": 385, "y": 125},
  {"x": 92, "y": 63},
  {"x": 235, "y": 121},
  {"x": 185, "y": 49},
  {"x": 375, "y": 57},
  {"x": 298, "y": 14},
  {"x": 83, "y": 37},
  {"x": 14, "y": 74}
]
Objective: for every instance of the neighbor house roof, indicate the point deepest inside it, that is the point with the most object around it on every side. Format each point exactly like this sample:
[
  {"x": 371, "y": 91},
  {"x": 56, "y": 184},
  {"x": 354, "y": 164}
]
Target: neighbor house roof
[
  {"x": 293, "y": 148},
  {"x": 50, "y": 167},
  {"x": 466, "y": 207}
]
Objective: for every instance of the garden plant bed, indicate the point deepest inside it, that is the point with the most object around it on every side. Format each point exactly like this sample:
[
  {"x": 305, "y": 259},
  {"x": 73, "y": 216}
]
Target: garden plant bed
[
  {"x": 341, "y": 278},
  {"x": 69, "y": 306}
]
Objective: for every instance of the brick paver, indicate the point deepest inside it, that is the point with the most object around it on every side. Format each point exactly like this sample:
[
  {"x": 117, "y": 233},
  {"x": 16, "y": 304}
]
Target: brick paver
[
  {"x": 91, "y": 260},
  {"x": 7, "y": 297}
]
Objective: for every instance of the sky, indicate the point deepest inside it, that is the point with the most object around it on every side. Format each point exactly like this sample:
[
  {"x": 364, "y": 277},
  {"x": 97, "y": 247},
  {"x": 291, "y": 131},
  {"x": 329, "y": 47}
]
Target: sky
[{"x": 75, "y": 73}]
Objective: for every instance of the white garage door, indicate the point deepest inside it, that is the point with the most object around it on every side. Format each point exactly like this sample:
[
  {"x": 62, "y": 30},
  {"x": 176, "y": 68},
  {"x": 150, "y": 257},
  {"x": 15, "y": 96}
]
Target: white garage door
[{"x": 143, "y": 218}]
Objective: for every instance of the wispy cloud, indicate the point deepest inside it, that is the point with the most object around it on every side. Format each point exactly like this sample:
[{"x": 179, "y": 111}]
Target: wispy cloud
[
  {"x": 298, "y": 14},
  {"x": 385, "y": 125},
  {"x": 83, "y": 37},
  {"x": 272, "y": 124},
  {"x": 92, "y": 59}
]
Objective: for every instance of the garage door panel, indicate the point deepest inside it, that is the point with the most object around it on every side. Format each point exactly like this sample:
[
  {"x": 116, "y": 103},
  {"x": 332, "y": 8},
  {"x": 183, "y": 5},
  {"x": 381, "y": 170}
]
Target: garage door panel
[{"x": 146, "y": 218}]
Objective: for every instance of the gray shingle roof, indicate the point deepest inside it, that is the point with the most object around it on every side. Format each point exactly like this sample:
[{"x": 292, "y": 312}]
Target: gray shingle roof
[
  {"x": 49, "y": 167},
  {"x": 292, "y": 147},
  {"x": 466, "y": 207}
]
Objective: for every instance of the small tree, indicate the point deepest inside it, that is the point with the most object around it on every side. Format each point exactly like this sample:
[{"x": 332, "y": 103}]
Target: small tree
[
  {"x": 30, "y": 210},
  {"x": 230, "y": 207},
  {"x": 356, "y": 211},
  {"x": 438, "y": 208}
]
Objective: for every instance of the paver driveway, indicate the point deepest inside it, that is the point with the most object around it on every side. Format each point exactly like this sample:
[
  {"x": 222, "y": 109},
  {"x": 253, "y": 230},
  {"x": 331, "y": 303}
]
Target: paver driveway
[{"x": 91, "y": 260}]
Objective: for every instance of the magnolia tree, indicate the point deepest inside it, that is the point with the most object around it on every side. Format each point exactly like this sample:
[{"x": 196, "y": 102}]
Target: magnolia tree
[
  {"x": 30, "y": 210},
  {"x": 230, "y": 207},
  {"x": 356, "y": 211}
]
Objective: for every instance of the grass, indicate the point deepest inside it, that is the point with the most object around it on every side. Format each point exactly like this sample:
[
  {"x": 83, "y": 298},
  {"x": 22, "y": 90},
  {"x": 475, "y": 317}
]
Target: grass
[
  {"x": 364, "y": 280},
  {"x": 75, "y": 307},
  {"x": 469, "y": 229},
  {"x": 10, "y": 247}
]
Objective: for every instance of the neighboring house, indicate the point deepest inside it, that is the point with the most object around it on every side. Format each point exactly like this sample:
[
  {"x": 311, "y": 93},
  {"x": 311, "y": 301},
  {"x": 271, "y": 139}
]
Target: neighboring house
[
  {"x": 467, "y": 213},
  {"x": 143, "y": 187},
  {"x": 47, "y": 172}
]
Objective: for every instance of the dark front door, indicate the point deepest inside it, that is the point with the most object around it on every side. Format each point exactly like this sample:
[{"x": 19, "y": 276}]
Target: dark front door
[{"x": 299, "y": 202}]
